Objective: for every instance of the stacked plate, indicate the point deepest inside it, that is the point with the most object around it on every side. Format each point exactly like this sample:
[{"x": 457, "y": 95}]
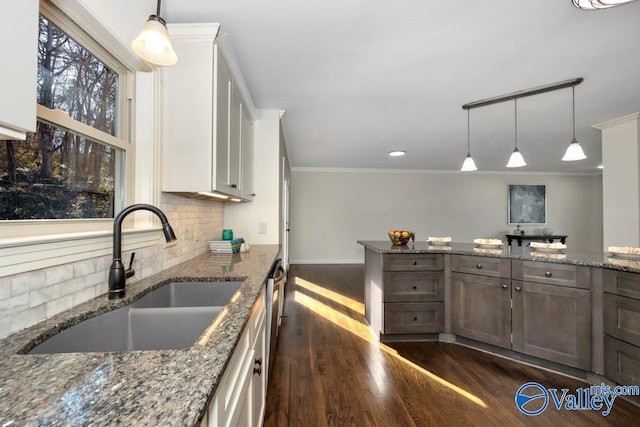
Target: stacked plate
[
  {"x": 488, "y": 243},
  {"x": 555, "y": 247},
  {"x": 439, "y": 241},
  {"x": 625, "y": 252}
]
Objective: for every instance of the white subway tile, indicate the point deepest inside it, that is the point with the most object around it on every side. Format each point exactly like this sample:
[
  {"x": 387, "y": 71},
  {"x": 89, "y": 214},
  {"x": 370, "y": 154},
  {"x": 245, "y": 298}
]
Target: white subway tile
[
  {"x": 5, "y": 326},
  {"x": 72, "y": 286},
  {"x": 26, "y": 282},
  {"x": 97, "y": 277},
  {"x": 28, "y": 317},
  {"x": 84, "y": 295},
  {"x": 59, "y": 305},
  {"x": 85, "y": 267},
  {"x": 44, "y": 295},
  {"x": 14, "y": 304},
  {"x": 5, "y": 289},
  {"x": 59, "y": 274}
]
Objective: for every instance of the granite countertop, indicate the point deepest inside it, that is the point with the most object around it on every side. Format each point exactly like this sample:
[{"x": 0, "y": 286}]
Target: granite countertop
[
  {"x": 568, "y": 256},
  {"x": 150, "y": 388}
]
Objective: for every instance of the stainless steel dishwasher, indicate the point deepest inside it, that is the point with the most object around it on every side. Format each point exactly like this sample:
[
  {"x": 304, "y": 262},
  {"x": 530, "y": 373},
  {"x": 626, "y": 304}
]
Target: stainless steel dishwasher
[{"x": 275, "y": 297}]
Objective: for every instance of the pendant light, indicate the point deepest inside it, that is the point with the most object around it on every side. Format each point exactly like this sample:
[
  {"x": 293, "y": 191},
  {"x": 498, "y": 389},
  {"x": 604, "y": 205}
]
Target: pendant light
[
  {"x": 598, "y": 4},
  {"x": 516, "y": 160},
  {"x": 153, "y": 44},
  {"x": 468, "y": 165},
  {"x": 574, "y": 150}
]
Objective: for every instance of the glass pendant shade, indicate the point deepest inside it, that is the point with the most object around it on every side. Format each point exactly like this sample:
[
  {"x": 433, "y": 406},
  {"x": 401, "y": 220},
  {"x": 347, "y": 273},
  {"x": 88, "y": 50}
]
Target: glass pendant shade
[
  {"x": 468, "y": 165},
  {"x": 574, "y": 152},
  {"x": 598, "y": 4},
  {"x": 153, "y": 43},
  {"x": 516, "y": 160}
]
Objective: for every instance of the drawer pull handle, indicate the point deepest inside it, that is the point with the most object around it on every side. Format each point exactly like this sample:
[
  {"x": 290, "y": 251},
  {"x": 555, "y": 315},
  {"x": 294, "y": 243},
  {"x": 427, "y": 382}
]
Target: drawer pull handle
[
  {"x": 415, "y": 287},
  {"x": 505, "y": 286},
  {"x": 518, "y": 288},
  {"x": 547, "y": 274},
  {"x": 257, "y": 368},
  {"x": 415, "y": 319},
  {"x": 478, "y": 266},
  {"x": 415, "y": 262}
]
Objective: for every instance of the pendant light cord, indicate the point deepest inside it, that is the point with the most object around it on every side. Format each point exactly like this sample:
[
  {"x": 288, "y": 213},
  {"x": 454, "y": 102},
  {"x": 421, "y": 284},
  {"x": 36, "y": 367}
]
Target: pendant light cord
[
  {"x": 468, "y": 132},
  {"x": 515, "y": 106},
  {"x": 573, "y": 108},
  {"x": 158, "y": 12}
]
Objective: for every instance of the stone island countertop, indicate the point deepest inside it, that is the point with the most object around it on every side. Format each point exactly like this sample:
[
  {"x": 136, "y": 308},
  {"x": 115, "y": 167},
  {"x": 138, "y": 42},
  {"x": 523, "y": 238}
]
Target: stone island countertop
[
  {"x": 568, "y": 256},
  {"x": 141, "y": 388}
]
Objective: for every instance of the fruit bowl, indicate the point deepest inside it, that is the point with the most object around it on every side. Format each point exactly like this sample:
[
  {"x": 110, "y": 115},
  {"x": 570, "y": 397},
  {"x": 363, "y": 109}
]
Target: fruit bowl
[{"x": 401, "y": 237}]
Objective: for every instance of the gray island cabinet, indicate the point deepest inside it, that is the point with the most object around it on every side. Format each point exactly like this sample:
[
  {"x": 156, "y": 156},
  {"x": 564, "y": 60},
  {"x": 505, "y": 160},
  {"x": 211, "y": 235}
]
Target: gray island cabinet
[
  {"x": 576, "y": 312},
  {"x": 406, "y": 293}
]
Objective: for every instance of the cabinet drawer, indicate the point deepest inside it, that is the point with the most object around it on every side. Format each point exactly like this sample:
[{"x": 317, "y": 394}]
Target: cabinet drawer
[
  {"x": 621, "y": 361},
  {"x": 484, "y": 266},
  {"x": 553, "y": 274},
  {"x": 622, "y": 318},
  {"x": 413, "y": 318},
  {"x": 622, "y": 283},
  {"x": 413, "y": 262},
  {"x": 412, "y": 286}
]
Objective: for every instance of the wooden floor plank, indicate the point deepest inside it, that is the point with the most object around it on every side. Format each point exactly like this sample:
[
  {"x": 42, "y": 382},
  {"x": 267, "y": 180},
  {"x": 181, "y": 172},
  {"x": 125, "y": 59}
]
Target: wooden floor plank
[{"x": 330, "y": 371}]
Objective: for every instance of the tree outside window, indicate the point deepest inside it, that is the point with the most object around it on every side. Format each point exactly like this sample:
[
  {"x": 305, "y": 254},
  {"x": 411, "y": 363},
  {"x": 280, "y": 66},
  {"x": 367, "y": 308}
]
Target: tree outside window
[{"x": 60, "y": 172}]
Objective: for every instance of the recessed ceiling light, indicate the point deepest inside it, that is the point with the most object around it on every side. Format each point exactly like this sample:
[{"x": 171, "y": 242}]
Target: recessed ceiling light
[{"x": 397, "y": 153}]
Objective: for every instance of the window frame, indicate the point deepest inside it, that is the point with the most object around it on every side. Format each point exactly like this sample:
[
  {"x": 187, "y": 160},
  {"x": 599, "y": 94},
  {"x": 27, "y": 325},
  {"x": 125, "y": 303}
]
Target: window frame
[{"x": 13, "y": 231}]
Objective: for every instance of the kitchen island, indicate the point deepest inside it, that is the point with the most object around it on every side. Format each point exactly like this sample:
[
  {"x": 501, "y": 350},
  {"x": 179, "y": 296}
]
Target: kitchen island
[
  {"x": 165, "y": 387},
  {"x": 572, "y": 311}
]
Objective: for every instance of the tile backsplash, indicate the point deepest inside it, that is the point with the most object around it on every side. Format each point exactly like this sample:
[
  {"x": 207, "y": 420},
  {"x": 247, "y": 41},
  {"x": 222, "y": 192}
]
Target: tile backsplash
[{"x": 31, "y": 297}]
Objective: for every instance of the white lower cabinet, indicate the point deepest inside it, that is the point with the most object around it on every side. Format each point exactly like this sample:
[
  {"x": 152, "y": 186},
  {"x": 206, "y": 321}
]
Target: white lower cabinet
[{"x": 241, "y": 394}]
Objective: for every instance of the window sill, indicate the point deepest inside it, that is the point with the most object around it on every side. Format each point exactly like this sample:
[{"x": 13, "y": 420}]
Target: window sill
[{"x": 20, "y": 255}]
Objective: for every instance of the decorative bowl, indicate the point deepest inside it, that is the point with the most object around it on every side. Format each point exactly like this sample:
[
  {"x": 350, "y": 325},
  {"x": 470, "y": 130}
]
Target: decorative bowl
[{"x": 401, "y": 237}]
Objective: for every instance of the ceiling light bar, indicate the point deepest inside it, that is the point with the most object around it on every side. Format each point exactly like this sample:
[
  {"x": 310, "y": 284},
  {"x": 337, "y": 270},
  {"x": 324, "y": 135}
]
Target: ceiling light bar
[{"x": 523, "y": 93}]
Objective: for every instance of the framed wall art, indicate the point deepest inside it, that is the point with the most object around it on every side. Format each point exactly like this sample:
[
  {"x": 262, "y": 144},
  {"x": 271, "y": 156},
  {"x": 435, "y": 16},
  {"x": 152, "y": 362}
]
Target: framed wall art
[{"x": 527, "y": 204}]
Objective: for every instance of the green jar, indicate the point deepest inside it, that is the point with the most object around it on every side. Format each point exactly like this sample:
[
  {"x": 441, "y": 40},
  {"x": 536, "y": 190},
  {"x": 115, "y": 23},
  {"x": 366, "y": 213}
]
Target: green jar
[{"x": 227, "y": 234}]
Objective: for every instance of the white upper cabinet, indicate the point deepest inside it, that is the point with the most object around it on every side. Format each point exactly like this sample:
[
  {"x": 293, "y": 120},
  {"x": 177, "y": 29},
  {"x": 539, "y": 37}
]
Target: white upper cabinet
[
  {"x": 19, "y": 41},
  {"x": 203, "y": 118}
]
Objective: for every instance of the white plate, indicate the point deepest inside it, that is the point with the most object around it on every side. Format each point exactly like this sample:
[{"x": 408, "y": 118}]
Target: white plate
[
  {"x": 625, "y": 256},
  {"x": 548, "y": 250},
  {"x": 432, "y": 243},
  {"x": 488, "y": 246}
]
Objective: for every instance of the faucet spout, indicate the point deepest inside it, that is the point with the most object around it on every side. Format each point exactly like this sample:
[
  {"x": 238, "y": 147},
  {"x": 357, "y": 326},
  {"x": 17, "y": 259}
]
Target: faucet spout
[{"x": 117, "y": 272}]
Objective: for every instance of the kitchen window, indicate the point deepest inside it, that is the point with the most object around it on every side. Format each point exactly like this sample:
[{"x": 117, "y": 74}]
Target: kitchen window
[{"x": 76, "y": 165}]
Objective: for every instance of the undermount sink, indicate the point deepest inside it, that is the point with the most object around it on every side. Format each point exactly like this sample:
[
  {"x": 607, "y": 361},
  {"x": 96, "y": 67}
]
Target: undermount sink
[{"x": 168, "y": 318}]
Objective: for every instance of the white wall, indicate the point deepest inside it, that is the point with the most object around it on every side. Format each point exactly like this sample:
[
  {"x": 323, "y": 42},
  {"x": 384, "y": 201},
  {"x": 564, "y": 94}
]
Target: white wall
[
  {"x": 621, "y": 181},
  {"x": 332, "y": 209},
  {"x": 244, "y": 218}
]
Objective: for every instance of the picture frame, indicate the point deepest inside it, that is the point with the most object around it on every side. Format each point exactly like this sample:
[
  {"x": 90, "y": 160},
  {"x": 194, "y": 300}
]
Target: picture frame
[{"x": 526, "y": 204}]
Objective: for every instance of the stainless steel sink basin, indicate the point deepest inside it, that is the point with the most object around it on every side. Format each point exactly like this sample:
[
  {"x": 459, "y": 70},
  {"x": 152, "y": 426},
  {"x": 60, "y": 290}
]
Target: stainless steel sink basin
[
  {"x": 170, "y": 317},
  {"x": 189, "y": 294}
]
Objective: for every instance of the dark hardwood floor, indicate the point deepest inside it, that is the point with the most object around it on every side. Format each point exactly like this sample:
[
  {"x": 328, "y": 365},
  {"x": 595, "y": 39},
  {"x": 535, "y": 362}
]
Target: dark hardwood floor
[{"x": 330, "y": 370}]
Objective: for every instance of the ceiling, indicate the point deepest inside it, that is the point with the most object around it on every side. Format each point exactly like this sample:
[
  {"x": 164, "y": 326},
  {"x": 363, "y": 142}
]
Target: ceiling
[{"x": 360, "y": 78}]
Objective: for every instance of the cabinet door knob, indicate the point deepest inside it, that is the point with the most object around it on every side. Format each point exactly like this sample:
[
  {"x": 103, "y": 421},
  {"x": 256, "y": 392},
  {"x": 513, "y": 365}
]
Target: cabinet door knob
[
  {"x": 518, "y": 288},
  {"x": 505, "y": 286},
  {"x": 478, "y": 266},
  {"x": 415, "y": 287},
  {"x": 415, "y": 262},
  {"x": 547, "y": 274},
  {"x": 415, "y": 319}
]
